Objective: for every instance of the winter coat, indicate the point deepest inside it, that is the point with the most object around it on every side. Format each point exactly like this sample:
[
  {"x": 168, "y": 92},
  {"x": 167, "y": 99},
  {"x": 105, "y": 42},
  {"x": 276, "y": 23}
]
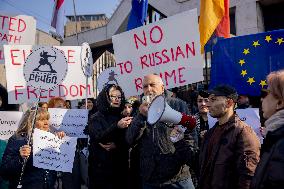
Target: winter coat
[
  {"x": 270, "y": 170},
  {"x": 107, "y": 169},
  {"x": 11, "y": 165},
  {"x": 233, "y": 158},
  {"x": 162, "y": 162}
]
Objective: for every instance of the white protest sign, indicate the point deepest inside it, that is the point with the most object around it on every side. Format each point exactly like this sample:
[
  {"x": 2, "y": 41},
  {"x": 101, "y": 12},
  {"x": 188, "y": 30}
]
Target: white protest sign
[
  {"x": 169, "y": 48},
  {"x": 72, "y": 122},
  {"x": 73, "y": 86},
  {"x": 249, "y": 115},
  {"x": 16, "y": 29},
  {"x": 87, "y": 60},
  {"x": 45, "y": 68},
  {"x": 108, "y": 76},
  {"x": 9, "y": 123},
  {"x": 52, "y": 153}
]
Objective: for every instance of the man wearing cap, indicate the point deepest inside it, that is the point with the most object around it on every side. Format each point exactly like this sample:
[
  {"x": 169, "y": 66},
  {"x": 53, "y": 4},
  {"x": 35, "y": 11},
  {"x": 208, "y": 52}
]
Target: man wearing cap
[{"x": 230, "y": 151}]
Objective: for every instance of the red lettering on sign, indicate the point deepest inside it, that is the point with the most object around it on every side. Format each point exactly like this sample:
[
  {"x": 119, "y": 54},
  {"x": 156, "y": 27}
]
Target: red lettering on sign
[
  {"x": 13, "y": 56},
  {"x": 138, "y": 83},
  {"x": 70, "y": 55},
  {"x": 144, "y": 42},
  {"x": 16, "y": 91},
  {"x": 160, "y": 34}
]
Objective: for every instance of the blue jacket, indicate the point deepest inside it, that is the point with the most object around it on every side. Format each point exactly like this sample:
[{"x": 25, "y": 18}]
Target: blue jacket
[{"x": 11, "y": 165}]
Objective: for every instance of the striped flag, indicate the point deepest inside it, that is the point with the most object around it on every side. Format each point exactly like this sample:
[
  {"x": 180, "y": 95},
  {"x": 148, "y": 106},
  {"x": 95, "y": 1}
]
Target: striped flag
[{"x": 57, "y": 21}]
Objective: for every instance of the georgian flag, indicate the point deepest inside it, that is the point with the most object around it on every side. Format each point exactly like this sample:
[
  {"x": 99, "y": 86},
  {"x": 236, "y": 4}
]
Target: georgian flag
[{"x": 57, "y": 21}]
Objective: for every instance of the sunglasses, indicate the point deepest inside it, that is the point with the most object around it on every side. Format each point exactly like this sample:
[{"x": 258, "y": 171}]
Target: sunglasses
[{"x": 264, "y": 93}]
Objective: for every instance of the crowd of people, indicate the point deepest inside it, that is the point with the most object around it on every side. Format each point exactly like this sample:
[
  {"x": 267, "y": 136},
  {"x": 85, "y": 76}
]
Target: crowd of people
[{"x": 125, "y": 151}]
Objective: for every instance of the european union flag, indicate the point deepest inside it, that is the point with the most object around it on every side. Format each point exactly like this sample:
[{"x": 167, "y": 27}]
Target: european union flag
[
  {"x": 244, "y": 62},
  {"x": 138, "y": 14}
]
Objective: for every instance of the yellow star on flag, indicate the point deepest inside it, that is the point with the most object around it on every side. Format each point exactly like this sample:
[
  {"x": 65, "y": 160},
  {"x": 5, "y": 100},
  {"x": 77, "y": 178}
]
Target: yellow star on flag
[
  {"x": 279, "y": 41},
  {"x": 241, "y": 62},
  {"x": 251, "y": 80},
  {"x": 256, "y": 43},
  {"x": 262, "y": 83},
  {"x": 246, "y": 51},
  {"x": 244, "y": 72},
  {"x": 268, "y": 38}
]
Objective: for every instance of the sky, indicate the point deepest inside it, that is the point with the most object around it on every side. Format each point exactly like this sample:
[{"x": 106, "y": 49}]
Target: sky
[{"x": 42, "y": 9}]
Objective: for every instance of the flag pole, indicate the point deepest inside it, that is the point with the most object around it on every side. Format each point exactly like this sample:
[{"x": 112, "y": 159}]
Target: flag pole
[{"x": 76, "y": 24}]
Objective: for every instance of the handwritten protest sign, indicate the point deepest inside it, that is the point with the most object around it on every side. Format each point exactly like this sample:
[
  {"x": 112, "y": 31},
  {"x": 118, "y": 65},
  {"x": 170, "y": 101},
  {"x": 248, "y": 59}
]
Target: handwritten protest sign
[
  {"x": 16, "y": 29},
  {"x": 72, "y": 122},
  {"x": 73, "y": 86},
  {"x": 9, "y": 123},
  {"x": 52, "y": 153},
  {"x": 249, "y": 115},
  {"x": 169, "y": 48}
]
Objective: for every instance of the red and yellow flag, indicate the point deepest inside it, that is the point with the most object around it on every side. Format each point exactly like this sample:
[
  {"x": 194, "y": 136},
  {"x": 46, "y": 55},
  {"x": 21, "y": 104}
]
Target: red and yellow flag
[{"x": 214, "y": 15}]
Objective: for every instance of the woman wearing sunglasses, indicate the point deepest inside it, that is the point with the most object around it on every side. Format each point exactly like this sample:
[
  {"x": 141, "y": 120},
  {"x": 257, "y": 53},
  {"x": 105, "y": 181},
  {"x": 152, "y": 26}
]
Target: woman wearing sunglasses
[{"x": 270, "y": 170}]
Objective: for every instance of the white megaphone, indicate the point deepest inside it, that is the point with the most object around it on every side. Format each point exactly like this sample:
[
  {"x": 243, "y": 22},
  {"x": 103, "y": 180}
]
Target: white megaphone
[{"x": 159, "y": 110}]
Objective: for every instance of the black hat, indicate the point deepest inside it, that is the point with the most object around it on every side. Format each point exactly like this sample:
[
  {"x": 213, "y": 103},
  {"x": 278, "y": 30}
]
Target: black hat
[
  {"x": 203, "y": 94},
  {"x": 225, "y": 90}
]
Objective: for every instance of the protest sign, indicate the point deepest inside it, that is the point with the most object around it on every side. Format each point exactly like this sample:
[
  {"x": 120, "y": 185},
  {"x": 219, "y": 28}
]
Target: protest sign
[
  {"x": 169, "y": 48},
  {"x": 249, "y": 115},
  {"x": 9, "y": 123},
  {"x": 87, "y": 60},
  {"x": 45, "y": 68},
  {"x": 52, "y": 153},
  {"x": 72, "y": 122},
  {"x": 108, "y": 76},
  {"x": 73, "y": 86},
  {"x": 16, "y": 29}
]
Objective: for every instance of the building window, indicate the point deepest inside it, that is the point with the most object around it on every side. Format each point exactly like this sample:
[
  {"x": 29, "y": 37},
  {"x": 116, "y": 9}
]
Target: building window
[{"x": 273, "y": 16}]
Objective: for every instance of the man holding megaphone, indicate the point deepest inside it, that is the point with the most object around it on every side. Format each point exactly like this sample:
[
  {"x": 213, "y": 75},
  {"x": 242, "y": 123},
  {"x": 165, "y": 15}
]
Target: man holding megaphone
[{"x": 164, "y": 163}]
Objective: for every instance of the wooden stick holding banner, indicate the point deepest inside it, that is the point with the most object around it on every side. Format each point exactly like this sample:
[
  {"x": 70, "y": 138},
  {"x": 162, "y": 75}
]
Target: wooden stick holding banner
[{"x": 45, "y": 68}]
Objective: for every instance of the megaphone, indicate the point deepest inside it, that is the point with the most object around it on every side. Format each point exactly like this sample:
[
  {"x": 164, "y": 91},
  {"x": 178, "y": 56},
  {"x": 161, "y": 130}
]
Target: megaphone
[{"x": 159, "y": 110}]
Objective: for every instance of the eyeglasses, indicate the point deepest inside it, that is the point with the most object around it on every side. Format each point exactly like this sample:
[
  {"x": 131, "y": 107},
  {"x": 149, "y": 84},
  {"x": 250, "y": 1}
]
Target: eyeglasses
[{"x": 115, "y": 97}]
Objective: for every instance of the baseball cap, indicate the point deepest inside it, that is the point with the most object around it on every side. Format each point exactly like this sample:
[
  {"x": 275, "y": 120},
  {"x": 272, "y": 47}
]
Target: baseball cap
[{"x": 225, "y": 90}]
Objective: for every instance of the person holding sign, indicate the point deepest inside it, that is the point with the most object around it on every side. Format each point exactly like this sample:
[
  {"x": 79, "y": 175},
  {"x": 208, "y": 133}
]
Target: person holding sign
[
  {"x": 163, "y": 163},
  {"x": 230, "y": 151},
  {"x": 17, "y": 150},
  {"x": 270, "y": 170},
  {"x": 108, "y": 149}
]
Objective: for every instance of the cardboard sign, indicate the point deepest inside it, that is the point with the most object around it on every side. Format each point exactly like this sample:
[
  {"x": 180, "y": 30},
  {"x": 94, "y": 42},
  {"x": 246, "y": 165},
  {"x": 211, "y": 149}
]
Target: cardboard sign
[
  {"x": 9, "y": 123},
  {"x": 72, "y": 122},
  {"x": 169, "y": 48},
  {"x": 45, "y": 68},
  {"x": 52, "y": 153},
  {"x": 249, "y": 115},
  {"x": 73, "y": 86},
  {"x": 16, "y": 29}
]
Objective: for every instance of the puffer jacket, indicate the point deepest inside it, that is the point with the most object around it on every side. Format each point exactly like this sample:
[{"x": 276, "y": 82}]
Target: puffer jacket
[
  {"x": 11, "y": 165},
  {"x": 270, "y": 170},
  {"x": 163, "y": 162},
  {"x": 107, "y": 169},
  {"x": 233, "y": 159}
]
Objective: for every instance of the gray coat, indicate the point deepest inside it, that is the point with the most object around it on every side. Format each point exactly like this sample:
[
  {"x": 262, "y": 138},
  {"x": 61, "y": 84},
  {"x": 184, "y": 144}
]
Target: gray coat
[{"x": 161, "y": 160}]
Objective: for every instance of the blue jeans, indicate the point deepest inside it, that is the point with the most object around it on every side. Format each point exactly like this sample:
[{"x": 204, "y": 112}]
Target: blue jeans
[{"x": 184, "y": 184}]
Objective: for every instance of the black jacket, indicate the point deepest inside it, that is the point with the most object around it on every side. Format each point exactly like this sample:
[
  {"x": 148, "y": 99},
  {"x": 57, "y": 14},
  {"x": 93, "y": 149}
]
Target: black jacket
[
  {"x": 107, "y": 169},
  {"x": 162, "y": 161},
  {"x": 270, "y": 170},
  {"x": 33, "y": 177}
]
